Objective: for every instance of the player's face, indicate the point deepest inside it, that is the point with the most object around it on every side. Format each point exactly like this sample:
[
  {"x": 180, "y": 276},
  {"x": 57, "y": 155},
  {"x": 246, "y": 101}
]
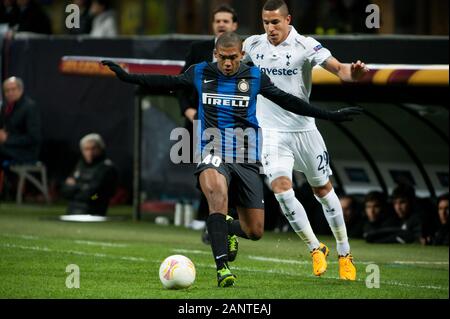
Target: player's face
[
  {"x": 443, "y": 211},
  {"x": 228, "y": 59},
  {"x": 90, "y": 151},
  {"x": 223, "y": 22},
  {"x": 12, "y": 91},
  {"x": 373, "y": 210},
  {"x": 276, "y": 25}
]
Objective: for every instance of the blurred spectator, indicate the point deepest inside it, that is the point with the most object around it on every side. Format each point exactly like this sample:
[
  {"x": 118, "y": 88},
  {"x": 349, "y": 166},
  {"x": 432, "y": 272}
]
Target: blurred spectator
[
  {"x": 406, "y": 226},
  {"x": 20, "y": 125},
  {"x": 104, "y": 23},
  {"x": 352, "y": 216},
  {"x": 377, "y": 215},
  {"x": 9, "y": 13},
  {"x": 85, "y": 18},
  {"x": 32, "y": 18},
  {"x": 341, "y": 16},
  {"x": 94, "y": 181},
  {"x": 441, "y": 237},
  {"x": 354, "y": 16},
  {"x": 408, "y": 213}
]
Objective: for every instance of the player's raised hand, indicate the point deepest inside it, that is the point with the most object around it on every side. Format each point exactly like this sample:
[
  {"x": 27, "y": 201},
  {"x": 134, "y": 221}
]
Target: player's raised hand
[
  {"x": 346, "y": 114},
  {"x": 358, "y": 70},
  {"x": 117, "y": 69}
]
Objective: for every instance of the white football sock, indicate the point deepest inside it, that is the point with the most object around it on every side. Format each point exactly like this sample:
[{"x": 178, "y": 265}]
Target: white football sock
[
  {"x": 335, "y": 217},
  {"x": 296, "y": 215}
]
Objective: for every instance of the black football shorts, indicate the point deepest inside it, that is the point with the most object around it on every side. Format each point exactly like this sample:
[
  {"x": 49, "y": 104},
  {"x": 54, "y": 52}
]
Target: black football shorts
[{"x": 245, "y": 183}]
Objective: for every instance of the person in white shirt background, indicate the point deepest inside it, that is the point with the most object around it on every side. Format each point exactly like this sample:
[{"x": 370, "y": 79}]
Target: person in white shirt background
[
  {"x": 293, "y": 142},
  {"x": 104, "y": 20}
]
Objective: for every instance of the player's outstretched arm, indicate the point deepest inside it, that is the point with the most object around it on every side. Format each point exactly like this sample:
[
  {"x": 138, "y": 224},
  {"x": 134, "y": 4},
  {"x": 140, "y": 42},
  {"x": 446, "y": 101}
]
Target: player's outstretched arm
[
  {"x": 346, "y": 72},
  {"x": 158, "y": 82},
  {"x": 296, "y": 105}
]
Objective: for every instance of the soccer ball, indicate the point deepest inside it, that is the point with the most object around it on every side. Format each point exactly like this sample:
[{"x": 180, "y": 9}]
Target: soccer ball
[{"x": 177, "y": 272}]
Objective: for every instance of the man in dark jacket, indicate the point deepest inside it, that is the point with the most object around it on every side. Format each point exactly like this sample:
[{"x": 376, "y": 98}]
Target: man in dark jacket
[
  {"x": 377, "y": 216},
  {"x": 92, "y": 184},
  {"x": 406, "y": 226},
  {"x": 20, "y": 125},
  {"x": 352, "y": 216}
]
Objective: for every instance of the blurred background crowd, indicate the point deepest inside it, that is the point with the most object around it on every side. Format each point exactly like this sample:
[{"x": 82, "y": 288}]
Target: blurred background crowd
[
  {"x": 103, "y": 18},
  {"x": 401, "y": 217}
]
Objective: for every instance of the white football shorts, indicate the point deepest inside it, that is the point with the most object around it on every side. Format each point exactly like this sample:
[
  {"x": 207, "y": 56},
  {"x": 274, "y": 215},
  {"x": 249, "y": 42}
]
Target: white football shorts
[{"x": 305, "y": 151}]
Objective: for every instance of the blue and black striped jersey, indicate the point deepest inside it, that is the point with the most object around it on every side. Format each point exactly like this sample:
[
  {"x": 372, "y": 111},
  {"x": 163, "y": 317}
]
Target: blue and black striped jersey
[
  {"x": 227, "y": 121},
  {"x": 227, "y": 111}
]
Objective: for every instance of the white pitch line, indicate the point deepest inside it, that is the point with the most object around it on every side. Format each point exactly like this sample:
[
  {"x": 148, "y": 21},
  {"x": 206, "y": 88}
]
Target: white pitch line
[
  {"x": 396, "y": 283},
  {"x": 414, "y": 262},
  {"x": 189, "y": 251},
  {"x": 201, "y": 265},
  {"x": 307, "y": 262},
  {"x": 99, "y": 243},
  {"x": 259, "y": 258},
  {"x": 277, "y": 260},
  {"x": 27, "y": 237},
  {"x": 299, "y": 262},
  {"x": 38, "y": 248},
  {"x": 302, "y": 262},
  {"x": 75, "y": 252},
  {"x": 82, "y": 242}
]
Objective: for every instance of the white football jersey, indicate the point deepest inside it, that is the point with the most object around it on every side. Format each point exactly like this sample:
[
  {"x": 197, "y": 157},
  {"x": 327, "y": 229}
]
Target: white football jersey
[{"x": 289, "y": 66}]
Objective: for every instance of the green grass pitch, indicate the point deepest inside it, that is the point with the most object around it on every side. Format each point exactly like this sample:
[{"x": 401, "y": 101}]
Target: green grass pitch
[{"x": 120, "y": 259}]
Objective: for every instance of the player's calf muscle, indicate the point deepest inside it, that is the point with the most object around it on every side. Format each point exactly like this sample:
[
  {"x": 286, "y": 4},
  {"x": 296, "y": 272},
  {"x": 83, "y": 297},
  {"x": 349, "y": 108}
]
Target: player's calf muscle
[
  {"x": 218, "y": 203},
  {"x": 217, "y": 200},
  {"x": 215, "y": 189}
]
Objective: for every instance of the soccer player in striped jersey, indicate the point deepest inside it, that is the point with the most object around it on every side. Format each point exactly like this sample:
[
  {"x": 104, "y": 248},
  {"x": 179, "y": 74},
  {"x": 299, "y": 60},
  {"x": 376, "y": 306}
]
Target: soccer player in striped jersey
[
  {"x": 228, "y": 148},
  {"x": 293, "y": 141}
]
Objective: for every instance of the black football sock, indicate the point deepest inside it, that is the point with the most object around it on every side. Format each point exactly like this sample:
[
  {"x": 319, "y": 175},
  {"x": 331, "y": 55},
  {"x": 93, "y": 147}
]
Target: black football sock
[
  {"x": 234, "y": 228},
  {"x": 218, "y": 232}
]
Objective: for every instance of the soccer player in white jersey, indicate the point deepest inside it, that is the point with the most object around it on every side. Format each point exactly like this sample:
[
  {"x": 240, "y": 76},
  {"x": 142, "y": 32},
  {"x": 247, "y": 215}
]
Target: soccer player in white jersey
[{"x": 292, "y": 141}]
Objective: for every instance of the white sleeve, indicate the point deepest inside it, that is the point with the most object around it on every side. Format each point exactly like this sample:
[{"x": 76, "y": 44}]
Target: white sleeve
[
  {"x": 245, "y": 44},
  {"x": 246, "y": 47},
  {"x": 111, "y": 27},
  {"x": 316, "y": 53}
]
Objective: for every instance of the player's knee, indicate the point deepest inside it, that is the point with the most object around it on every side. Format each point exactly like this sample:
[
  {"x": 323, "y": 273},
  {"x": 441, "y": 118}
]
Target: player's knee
[
  {"x": 322, "y": 191},
  {"x": 281, "y": 185},
  {"x": 255, "y": 233}
]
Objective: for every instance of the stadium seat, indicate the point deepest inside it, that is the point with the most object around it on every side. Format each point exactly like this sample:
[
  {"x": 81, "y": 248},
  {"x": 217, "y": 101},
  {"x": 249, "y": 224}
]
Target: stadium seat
[{"x": 24, "y": 171}]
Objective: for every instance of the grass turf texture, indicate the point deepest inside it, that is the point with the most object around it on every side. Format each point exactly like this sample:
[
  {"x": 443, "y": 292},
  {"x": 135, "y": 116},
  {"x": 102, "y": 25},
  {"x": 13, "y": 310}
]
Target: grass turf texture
[{"x": 121, "y": 259}]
